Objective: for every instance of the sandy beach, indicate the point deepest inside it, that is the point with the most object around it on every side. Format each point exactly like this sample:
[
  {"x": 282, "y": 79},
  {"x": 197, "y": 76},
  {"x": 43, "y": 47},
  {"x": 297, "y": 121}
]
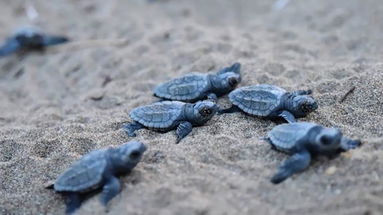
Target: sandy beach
[{"x": 58, "y": 105}]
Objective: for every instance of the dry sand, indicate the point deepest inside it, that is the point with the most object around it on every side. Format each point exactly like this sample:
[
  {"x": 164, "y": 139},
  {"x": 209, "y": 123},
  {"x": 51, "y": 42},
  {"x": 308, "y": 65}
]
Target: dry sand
[{"x": 59, "y": 105}]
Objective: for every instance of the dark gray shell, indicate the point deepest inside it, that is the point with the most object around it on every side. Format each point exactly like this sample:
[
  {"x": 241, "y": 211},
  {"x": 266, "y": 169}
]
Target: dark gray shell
[
  {"x": 188, "y": 87},
  {"x": 28, "y": 31},
  {"x": 159, "y": 114},
  {"x": 84, "y": 175},
  {"x": 259, "y": 100},
  {"x": 285, "y": 136}
]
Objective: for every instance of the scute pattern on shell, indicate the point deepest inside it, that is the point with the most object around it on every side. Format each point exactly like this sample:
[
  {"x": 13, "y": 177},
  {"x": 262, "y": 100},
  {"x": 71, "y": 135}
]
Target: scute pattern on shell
[
  {"x": 159, "y": 114},
  {"x": 188, "y": 87},
  {"x": 84, "y": 174},
  {"x": 258, "y": 100},
  {"x": 285, "y": 136}
]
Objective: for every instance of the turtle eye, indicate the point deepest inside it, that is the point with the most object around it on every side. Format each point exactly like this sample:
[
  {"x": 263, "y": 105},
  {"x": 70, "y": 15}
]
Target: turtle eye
[
  {"x": 134, "y": 155},
  {"x": 325, "y": 140},
  {"x": 233, "y": 82},
  {"x": 205, "y": 111}
]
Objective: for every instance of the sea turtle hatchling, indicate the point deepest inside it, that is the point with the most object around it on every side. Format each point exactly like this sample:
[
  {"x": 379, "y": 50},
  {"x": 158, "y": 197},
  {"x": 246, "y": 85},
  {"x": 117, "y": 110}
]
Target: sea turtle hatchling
[
  {"x": 168, "y": 115},
  {"x": 29, "y": 38},
  {"x": 270, "y": 101},
  {"x": 303, "y": 140},
  {"x": 98, "y": 169},
  {"x": 198, "y": 86}
]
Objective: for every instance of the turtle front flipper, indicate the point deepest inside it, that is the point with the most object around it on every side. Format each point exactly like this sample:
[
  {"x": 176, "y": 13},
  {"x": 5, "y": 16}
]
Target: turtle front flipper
[
  {"x": 296, "y": 163},
  {"x": 10, "y": 46},
  {"x": 347, "y": 144},
  {"x": 236, "y": 68},
  {"x": 53, "y": 40},
  {"x": 289, "y": 117},
  {"x": 73, "y": 202},
  {"x": 131, "y": 128},
  {"x": 110, "y": 190},
  {"x": 183, "y": 129},
  {"x": 302, "y": 92}
]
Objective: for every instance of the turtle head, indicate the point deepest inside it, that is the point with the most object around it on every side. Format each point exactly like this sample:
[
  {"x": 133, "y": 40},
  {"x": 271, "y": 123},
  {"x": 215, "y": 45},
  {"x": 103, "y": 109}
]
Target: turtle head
[
  {"x": 303, "y": 105},
  {"x": 228, "y": 78},
  {"x": 129, "y": 154},
  {"x": 203, "y": 111},
  {"x": 328, "y": 139}
]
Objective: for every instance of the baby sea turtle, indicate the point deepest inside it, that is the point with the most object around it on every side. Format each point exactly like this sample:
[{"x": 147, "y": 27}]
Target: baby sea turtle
[
  {"x": 98, "y": 169},
  {"x": 168, "y": 115},
  {"x": 303, "y": 140},
  {"x": 197, "y": 86},
  {"x": 271, "y": 102},
  {"x": 29, "y": 38}
]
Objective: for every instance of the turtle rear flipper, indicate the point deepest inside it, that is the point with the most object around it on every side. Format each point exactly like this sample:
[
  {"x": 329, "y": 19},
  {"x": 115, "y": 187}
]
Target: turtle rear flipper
[
  {"x": 49, "y": 185},
  {"x": 296, "y": 163}
]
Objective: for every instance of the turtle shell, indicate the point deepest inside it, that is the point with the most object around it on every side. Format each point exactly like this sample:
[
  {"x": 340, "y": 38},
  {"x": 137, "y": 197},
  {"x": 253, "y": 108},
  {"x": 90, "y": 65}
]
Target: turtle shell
[
  {"x": 159, "y": 114},
  {"x": 187, "y": 88},
  {"x": 84, "y": 175},
  {"x": 28, "y": 31},
  {"x": 259, "y": 100},
  {"x": 285, "y": 136}
]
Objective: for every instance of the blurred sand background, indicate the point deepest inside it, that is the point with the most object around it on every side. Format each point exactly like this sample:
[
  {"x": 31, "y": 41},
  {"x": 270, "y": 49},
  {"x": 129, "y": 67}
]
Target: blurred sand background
[{"x": 57, "y": 106}]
